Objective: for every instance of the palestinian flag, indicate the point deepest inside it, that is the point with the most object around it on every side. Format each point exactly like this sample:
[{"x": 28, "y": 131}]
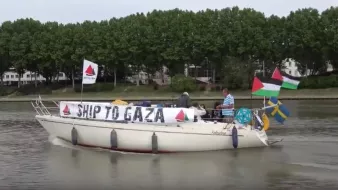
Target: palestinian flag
[
  {"x": 266, "y": 87},
  {"x": 288, "y": 81}
]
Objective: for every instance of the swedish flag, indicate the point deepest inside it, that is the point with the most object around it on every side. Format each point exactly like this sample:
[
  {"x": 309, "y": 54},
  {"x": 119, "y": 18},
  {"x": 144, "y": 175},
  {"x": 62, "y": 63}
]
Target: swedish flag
[{"x": 279, "y": 112}]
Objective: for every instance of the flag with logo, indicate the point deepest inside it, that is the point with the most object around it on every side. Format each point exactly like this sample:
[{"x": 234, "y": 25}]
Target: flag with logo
[
  {"x": 266, "y": 87},
  {"x": 66, "y": 110},
  {"x": 89, "y": 73},
  {"x": 181, "y": 116},
  {"x": 289, "y": 81},
  {"x": 279, "y": 112}
]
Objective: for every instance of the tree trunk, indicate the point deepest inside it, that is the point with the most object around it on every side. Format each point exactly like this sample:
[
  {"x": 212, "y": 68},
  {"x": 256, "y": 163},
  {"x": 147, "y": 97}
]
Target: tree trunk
[
  {"x": 73, "y": 81},
  {"x": 137, "y": 76},
  {"x": 105, "y": 73},
  {"x": 162, "y": 75},
  {"x": 213, "y": 75},
  {"x": 138, "y": 79},
  {"x": 2, "y": 79},
  {"x": 115, "y": 77},
  {"x": 36, "y": 79},
  {"x": 58, "y": 76},
  {"x": 66, "y": 81},
  {"x": 19, "y": 81},
  {"x": 148, "y": 78},
  {"x": 52, "y": 78},
  {"x": 31, "y": 76}
]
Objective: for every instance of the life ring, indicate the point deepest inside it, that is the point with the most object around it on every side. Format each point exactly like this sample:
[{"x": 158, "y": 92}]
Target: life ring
[
  {"x": 266, "y": 122},
  {"x": 243, "y": 116}
]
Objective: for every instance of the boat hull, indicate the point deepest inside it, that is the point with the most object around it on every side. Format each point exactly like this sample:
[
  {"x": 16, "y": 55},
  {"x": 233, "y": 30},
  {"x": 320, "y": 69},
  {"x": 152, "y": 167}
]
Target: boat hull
[{"x": 187, "y": 137}]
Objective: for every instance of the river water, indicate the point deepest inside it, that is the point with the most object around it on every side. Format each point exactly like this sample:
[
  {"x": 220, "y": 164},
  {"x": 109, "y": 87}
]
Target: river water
[{"x": 306, "y": 159}]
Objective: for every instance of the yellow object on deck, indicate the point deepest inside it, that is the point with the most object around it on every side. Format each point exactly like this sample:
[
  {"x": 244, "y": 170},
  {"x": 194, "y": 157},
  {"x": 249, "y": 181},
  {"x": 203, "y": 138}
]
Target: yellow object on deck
[
  {"x": 120, "y": 102},
  {"x": 266, "y": 122}
]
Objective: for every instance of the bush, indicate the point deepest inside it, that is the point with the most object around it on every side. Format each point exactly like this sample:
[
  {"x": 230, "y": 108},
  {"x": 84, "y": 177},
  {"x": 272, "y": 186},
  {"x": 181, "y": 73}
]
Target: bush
[
  {"x": 216, "y": 88},
  {"x": 29, "y": 89},
  {"x": 7, "y": 90},
  {"x": 155, "y": 86},
  {"x": 98, "y": 87},
  {"x": 317, "y": 82},
  {"x": 234, "y": 82},
  {"x": 56, "y": 86},
  {"x": 202, "y": 87},
  {"x": 181, "y": 83}
]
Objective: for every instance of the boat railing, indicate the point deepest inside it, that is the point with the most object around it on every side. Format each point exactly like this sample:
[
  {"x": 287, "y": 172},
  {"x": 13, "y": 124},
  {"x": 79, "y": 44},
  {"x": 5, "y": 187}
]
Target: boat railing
[
  {"x": 253, "y": 111},
  {"x": 41, "y": 109}
]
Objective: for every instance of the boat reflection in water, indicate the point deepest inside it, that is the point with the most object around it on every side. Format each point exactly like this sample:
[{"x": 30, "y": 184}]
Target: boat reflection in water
[{"x": 85, "y": 167}]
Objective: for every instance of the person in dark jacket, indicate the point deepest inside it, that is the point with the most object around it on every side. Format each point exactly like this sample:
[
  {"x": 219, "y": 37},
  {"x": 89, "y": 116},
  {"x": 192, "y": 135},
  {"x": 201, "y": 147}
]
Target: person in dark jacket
[{"x": 184, "y": 101}]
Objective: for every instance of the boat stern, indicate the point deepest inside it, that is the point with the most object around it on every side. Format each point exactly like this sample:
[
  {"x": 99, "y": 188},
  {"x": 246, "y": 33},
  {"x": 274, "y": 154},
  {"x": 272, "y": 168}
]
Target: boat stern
[
  {"x": 265, "y": 140},
  {"x": 262, "y": 136}
]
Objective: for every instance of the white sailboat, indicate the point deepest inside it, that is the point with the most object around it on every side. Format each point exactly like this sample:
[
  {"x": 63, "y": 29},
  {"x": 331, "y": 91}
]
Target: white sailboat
[
  {"x": 146, "y": 137},
  {"x": 141, "y": 129}
]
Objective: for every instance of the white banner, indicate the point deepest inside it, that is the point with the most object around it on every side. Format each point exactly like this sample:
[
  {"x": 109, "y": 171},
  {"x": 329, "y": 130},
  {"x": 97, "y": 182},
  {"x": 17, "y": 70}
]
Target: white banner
[
  {"x": 89, "y": 72},
  {"x": 112, "y": 112}
]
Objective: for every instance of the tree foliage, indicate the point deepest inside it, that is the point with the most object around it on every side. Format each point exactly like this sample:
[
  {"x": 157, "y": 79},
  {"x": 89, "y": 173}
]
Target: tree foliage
[{"x": 234, "y": 41}]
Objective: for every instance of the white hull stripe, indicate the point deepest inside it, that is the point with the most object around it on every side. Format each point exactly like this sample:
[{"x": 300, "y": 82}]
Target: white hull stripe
[{"x": 136, "y": 129}]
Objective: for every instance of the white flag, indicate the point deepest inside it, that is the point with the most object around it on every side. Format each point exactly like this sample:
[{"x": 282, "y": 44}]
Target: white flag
[{"x": 89, "y": 73}]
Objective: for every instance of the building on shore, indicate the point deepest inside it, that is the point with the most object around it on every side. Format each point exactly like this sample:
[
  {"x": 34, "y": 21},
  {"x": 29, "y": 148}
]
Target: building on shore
[
  {"x": 201, "y": 73},
  {"x": 12, "y": 78},
  {"x": 290, "y": 67}
]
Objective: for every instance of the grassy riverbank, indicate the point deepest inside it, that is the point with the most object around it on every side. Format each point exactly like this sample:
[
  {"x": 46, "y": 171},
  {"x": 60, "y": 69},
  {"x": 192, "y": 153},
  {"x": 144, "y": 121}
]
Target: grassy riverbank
[{"x": 140, "y": 93}]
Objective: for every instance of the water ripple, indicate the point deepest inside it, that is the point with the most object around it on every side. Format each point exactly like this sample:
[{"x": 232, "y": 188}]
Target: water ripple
[{"x": 306, "y": 159}]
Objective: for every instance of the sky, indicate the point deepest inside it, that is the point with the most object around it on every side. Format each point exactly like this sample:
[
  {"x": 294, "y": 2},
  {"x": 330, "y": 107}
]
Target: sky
[{"x": 71, "y": 11}]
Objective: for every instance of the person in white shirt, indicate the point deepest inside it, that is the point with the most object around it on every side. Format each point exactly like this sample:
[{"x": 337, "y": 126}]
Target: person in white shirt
[
  {"x": 199, "y": 111},
  {"x": 227, "y": 107}
]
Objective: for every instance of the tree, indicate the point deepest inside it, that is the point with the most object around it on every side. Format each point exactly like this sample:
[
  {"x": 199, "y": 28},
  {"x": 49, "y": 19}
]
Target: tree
[
  {"x": 330, "y": 28},
  {"x": 276, "y": 36},
  {"x": 305, "y": 31},
  {"x": 5, "y": 38},
  {"x": 233, "y": 42}
]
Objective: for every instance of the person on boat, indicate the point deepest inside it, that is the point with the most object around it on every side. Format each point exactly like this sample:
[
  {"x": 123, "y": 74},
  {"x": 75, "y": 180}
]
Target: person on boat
[
  {"x": 216, "y": 114},
  {"x": 198, "y": 111},
  {"x": 119, "y": 102},
  {"x": 227, "y": 106},
  {"x": 207, "y": 115},
  {"x": 184, "y": 101},
  {"x": 144, "y": 103}
]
